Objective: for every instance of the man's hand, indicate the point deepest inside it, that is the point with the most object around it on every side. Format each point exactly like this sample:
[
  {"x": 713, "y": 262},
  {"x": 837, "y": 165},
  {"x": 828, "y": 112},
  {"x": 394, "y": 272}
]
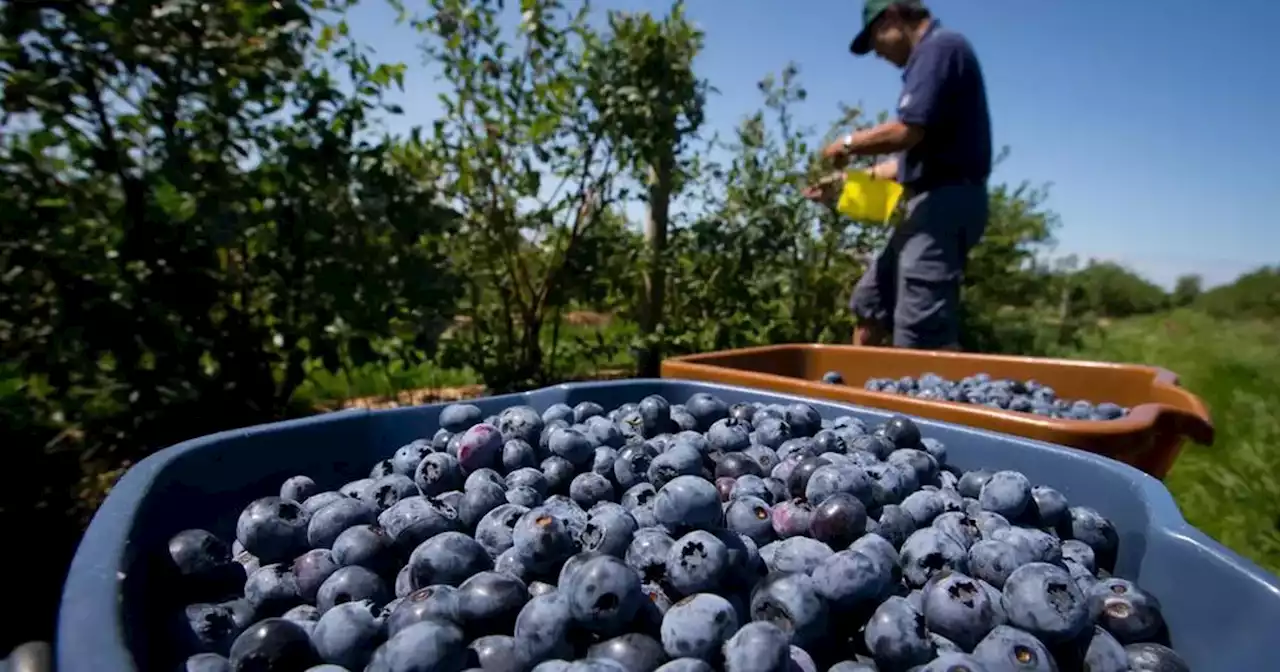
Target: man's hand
[
  {"x": 837, "y": 152},
  {"x": 826, "y": 190}
]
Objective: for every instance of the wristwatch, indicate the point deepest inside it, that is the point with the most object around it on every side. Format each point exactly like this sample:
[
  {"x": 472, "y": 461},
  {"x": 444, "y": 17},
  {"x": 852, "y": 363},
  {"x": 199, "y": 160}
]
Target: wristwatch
[{"x": 847, "y": 144}]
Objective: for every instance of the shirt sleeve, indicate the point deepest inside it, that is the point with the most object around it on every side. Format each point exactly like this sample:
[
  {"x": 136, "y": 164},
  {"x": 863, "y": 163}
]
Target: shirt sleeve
[{"x": 925, "y": 84}]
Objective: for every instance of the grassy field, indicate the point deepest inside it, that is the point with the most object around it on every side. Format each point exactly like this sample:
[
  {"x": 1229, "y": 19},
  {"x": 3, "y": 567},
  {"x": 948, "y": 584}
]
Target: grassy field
[{"x": 1232, "y": 489}]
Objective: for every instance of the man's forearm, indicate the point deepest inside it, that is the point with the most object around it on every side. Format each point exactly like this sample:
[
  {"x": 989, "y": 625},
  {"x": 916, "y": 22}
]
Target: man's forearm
[
  {"x": 885, "y": 170},
  {"x": 887, "y": 138}
]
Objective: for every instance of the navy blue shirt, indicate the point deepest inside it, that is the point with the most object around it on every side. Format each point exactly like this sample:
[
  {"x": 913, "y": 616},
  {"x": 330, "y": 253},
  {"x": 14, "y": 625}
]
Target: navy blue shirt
[{"x": 943, "y": 92}]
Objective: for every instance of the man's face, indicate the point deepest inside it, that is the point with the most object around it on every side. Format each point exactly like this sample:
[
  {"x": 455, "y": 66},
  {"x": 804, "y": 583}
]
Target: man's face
[{"x": 890, "y": 39}]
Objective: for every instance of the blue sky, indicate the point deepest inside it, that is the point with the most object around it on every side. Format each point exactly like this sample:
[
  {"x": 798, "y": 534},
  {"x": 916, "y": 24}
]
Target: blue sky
[{"x": 1153, "y": 120}]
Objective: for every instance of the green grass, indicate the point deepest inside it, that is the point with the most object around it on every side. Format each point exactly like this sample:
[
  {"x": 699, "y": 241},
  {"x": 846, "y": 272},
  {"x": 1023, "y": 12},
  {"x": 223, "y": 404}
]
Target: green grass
[{"x": 1231, "y": 490}]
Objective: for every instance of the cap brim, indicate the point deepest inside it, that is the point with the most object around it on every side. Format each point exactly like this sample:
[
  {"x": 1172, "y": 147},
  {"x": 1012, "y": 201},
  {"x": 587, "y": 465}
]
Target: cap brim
[{"x": 861, "y": 45}]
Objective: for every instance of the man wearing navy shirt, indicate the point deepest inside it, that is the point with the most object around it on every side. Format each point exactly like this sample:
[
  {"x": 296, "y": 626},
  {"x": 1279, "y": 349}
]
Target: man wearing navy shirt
[{"x": 941, "y": 141}]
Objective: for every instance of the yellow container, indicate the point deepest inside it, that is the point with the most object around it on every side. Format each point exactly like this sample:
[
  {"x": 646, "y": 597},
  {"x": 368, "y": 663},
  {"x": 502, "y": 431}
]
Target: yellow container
[{"x": 867, "y": 199}]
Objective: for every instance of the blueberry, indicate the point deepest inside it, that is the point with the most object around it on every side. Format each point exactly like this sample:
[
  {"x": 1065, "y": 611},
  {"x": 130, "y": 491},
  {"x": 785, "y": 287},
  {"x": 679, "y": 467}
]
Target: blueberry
[
  {"x": 896, "y": 635},
  {"x": 798, "y": 478},
  {"x": 1104, "y": 653},
  {"x": 413, "y": 520},
  {"x": 206, "y": 662},
  {"x": 988, "y": 523},
  {"x": 851, "y": 579},
  {"x": 422, "y": 647},
  {"x": 273, "y": 529},
  {"x": 1080, "y": 553},
  {"x": 203, "y": 563},
  {"x": 437, "y": 602},
  {"x": 603, "y": 594},
  {"x": 929, "y": 551},
  {"x": 836, "y": 479},
  {"x": 1125, "y": 610},
  {"x": 853, "y": 666},
  {"x": 478, "y": 501},
  {"x": 647, "y": 554},
  {"x": 558, "y": 472},
  {"x": 750, "y": 516},
  {"x": 603, "y": 431},
  {"x": 589, "y": 488},
  {"x": 833, "y": 378},
  {"x": 742, "y": 412},
  {"x": 457, "y": 418},
  {"x": 771, "y": 431},
  {"x": 541, "y": 540},
  {"x": 791, "y": 602},
  {"x": 923, "y": 506},
  {"x": 634, "y": 651},
  {"x": 728, "y": 435},
  {"x": 798, "y": 554},
  {"x": 348, "y": 634},
  {"x": 609, "y": 531},
  {"x": 298, "y": 488},
  {"x": 273, "y": 644},
  {"x": 585, "y": 410},
  {"x": 368, "y": 546},
  {"x": 638, "y": 495},
  {"x": 971, "y": 482},
  {"x": 208, "y": 628},
  {"x": 697, "y": 562},
  {"x": 958, "y": 608},
  {"x": 1043, "y": 600},
  {"x": 959, "y": 526},
  {"x": 791, "y": 518},
  {"x": 688, "y": 501},
  {"x": 543, "y": 625},
  {"x": 697, "y": 626},
  {"x": 1152, "y": 657},
  {"x": 1032, "y": 545},
  {"x": 951, "y": 662},
  {"x": 320, "y": 500},
  {"x": 759, "y": 646},
  {"x": 1049, "y": 505},
  {"x": 437, "y": 473},
  {"x": 876, "y": 445},
  {"x": 488, "y": 602},
  {"x": 528, "y": 477},
  {"x": 406, "y": 458},
  {"x": 1090, "y": 527},
  {"x": 272, "y": 590},
  {"x": 706, "y": 410},
  {"x": 1007, "y": 493},
  {"x": 803, "y": 419},
  {"x": 349, "y": 584},
  {"x": 894, "y": 525},
  {"x": 448, "y": 558},
  {"x": 902, "y": 431},
  {"x": 993, "y": 561},
  {"x": 737, "y": 465}
]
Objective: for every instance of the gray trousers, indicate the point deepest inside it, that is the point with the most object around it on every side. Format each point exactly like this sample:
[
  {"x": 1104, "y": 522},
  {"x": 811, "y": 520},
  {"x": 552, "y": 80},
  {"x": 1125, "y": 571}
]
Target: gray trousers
[{"x": 913, "y": 286}]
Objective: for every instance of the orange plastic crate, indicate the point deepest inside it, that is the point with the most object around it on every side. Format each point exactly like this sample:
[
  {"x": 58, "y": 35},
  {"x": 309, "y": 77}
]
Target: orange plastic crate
[{"x": 1162, "y": 414}]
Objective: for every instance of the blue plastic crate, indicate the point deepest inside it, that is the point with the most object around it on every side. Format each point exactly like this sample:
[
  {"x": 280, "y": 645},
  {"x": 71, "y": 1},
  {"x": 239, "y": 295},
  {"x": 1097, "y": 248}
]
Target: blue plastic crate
[{"x": 1218, "y": 605}]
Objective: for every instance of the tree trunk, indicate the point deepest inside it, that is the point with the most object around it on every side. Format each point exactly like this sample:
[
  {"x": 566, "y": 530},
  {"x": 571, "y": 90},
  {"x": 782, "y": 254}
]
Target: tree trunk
[{"x": 655, "y": 235}]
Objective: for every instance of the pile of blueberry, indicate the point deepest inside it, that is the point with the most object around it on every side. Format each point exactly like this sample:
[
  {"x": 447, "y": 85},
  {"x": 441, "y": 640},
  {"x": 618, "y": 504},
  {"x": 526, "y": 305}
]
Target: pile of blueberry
[
  {"x": 1011, "y": 395},
  {"x": 679, "y": 538}
]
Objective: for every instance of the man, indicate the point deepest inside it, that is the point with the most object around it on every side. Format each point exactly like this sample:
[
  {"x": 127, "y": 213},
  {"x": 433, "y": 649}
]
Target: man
[{"x": 942, "y": 143}]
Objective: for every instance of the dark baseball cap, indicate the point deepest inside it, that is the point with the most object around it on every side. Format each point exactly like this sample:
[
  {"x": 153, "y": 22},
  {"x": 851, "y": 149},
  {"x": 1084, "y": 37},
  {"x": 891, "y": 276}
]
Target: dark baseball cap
[{"x": 871, "y": 11}]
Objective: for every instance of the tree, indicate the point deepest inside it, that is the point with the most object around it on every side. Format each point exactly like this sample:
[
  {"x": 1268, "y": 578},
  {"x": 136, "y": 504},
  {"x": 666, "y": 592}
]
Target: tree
[
  {"x": 651, "y": 101},
  {"x": 758, "y": 263},
  {"x": 1186, "y": 290},
  {"x": 528, "y": 164},
  {"x": 1254, "y": 295},
  {"x": 197, "y": 212}
]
